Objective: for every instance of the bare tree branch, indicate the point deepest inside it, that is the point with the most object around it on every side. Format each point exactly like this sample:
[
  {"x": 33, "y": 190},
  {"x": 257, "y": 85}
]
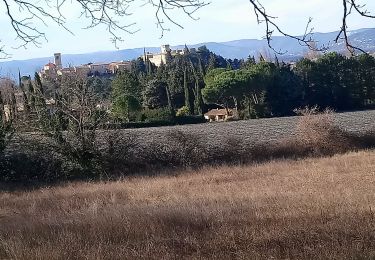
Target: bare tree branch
[
  {"x": 27, "y": 17},
  {"x": 24, "y": 16},
  {"x": 349, "y": 7},
  {"x": 271, "y": 25}
]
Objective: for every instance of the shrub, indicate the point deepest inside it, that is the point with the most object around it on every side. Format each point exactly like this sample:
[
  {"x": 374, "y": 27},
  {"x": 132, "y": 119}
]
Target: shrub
[
  {"x": 30, "y": 168},
  {"x": 118, "y": 153},
  {"x": 317, "y": 132},
  {"x": 159, "y": 114},
  {"x": 180, "y": 150},
  {"x": 184, "y": 120},
  {"x": 183, "y": 111},
  {"x": 6, "y": 133}
]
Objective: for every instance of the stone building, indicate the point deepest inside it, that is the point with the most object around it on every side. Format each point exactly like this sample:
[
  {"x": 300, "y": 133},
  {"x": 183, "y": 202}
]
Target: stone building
[
  {"x": 161, "y": 58},
  {"x": 53, "y": 70},
  {"x": 220, "y": 115}
]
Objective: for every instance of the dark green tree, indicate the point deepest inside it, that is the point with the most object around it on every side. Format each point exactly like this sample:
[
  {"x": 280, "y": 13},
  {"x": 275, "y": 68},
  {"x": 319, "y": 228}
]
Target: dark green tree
[
  {"x": 188, "y": 104},
  {"x": 284, "y": 94},
  {"x": 155, "y": 94},
  {"x": 126, "y": 95}
]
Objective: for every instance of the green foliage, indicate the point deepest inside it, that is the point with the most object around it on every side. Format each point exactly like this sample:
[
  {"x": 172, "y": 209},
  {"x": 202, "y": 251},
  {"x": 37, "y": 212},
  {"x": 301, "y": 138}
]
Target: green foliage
[
  {"x": 285, "y": 92},
  {"x": 221, "y": 87},
  {"x": 230, "y": 87},
  {"x": 187, "y": 94},
  {"x": 6, "y": 132},
  {"x": 126, "y": 83},
  {"x": 160, "y": 114},
  {"x": 338, "y": 82},
  {"x": 138, "y": 66},
  {"x": 155, "y": 94},
  {"x": 101, "y": 86},
  {"x": 126, "y": 95},
  {"x": 69, "y": 127},
  {"x": 183, "y": 111},
  {"x": 124, "y": 106}
]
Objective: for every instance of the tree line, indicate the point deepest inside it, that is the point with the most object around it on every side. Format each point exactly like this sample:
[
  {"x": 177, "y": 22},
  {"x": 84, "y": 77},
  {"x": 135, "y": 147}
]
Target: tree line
[
  {"x": 192, "y": 83},
  {"x": 189, "y": 85},
  {"x": 68, "y": 114}
]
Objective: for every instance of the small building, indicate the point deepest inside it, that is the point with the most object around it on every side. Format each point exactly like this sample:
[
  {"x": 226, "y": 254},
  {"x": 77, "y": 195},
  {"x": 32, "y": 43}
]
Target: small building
[
  {"x": 82, "y": 69},
  {"x": 53, "y": 70},
  {"x": 220, "y": 115},
  {"x": 161, "y": 58},
  {"x": 99, "y": 68},
  {"x": 115, "y": 67},
  {"x": 66, "y": 71},
  {"x": 49, "y": 71}
]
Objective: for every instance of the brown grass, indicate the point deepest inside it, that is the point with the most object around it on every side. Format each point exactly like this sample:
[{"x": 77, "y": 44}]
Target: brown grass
[{"x": 320, "y": 208}]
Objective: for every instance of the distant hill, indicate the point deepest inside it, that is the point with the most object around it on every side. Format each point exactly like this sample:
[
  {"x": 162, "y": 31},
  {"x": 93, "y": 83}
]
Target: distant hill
[{"x": 362, "y": 38}]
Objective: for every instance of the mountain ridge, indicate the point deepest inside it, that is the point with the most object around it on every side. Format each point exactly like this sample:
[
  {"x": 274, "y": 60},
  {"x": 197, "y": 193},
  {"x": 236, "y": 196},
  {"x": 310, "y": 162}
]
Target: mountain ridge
[{"x": 363, "y": 38}]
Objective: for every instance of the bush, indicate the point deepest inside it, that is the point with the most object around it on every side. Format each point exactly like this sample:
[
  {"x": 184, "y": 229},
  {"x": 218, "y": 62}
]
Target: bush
[
  {"x": 120, "y": 153},
  {"x": 181, "y": 150},
  {"x": 30, "y": 168},
  {"x": 183, "y": 111},
  {"x": 317, "y": 132},
  {"x": 185, "y": 120},
  {"x": 159, "y": 114}
]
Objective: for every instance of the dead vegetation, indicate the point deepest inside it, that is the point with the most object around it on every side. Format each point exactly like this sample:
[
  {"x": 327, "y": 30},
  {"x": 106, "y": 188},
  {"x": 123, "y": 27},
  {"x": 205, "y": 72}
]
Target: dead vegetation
[
  {"x": 319, "y": 208},
  {"x": 36, "y": 162}
]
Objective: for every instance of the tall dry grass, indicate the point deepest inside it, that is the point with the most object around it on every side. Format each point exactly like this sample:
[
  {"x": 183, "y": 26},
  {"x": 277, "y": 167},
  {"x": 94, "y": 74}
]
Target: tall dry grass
[{"x": 320, "y": 208}]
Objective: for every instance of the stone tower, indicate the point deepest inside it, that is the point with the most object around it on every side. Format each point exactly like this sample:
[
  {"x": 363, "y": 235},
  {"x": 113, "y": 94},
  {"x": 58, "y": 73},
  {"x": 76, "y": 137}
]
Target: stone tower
[
  {"x": 58, "y": 60},
  {"x": 165, "y": 49}
]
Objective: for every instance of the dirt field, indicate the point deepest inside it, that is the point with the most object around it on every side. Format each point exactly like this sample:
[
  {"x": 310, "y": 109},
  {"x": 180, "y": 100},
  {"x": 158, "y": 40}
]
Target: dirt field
[
  {"x": 255, "y": 131},
  {"x": 309, "y": 209},
  {"x": 246, "y": 133}
]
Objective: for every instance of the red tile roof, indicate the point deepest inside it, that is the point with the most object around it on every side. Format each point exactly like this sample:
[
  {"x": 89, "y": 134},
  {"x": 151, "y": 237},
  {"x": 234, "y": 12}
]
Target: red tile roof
[
  {"x": 218, "y": 112},
  {"x": 50, "y": 64}
]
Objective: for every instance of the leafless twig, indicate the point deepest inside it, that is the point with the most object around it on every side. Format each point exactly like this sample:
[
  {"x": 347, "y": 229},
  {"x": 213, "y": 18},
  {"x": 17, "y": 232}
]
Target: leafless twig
[
  {"x": 349, "y": 7},
  {"x": 27, "y": 17}
]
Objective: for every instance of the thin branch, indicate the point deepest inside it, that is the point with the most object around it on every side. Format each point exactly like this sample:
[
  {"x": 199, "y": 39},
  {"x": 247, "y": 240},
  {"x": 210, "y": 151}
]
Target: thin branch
[
  {"x": 349, "y": 7},
  {"x": 25, "y": 16},
  {"x": 271, "y": 25}
]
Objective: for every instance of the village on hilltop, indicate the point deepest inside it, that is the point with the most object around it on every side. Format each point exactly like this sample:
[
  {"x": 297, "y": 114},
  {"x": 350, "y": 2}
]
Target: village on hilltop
[{"x": 55, "y": 69}]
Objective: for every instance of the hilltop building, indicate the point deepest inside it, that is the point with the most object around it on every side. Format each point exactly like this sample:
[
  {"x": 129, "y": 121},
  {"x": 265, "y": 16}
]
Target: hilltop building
[
  {"x": 162, "y": 57},
  {"x": 48, "y": 71},
  {"x": 53, "y": 70},
  {"x": 58, "y": 62}
]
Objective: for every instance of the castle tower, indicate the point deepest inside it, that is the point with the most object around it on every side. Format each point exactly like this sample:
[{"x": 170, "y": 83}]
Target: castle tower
[
  {"x": 165, "y": 49},
  {"x": 58, "y": 60}
]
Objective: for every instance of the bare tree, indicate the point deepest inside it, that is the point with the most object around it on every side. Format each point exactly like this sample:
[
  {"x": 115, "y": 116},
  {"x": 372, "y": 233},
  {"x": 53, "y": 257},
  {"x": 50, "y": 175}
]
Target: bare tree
[
  {"x": 28, "y": 17},
  {"x": 24, "y": 16},
  {"x": 69, "y": 122},
  {"x": 350, "y": 7},
  {"x": 7, "y": 110}
]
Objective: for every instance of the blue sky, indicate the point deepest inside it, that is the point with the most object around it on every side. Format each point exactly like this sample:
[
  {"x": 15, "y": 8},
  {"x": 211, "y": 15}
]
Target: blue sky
[{"x": 222, "y": 20}]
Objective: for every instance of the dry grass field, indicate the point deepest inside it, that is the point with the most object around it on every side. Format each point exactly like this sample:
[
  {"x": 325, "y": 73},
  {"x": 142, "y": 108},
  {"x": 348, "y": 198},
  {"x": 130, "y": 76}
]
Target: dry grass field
[{"x": 322, "y": 208}]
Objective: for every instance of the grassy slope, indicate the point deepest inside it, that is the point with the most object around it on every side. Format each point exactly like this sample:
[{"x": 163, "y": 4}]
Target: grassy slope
[{"x": 310, "y": 209}]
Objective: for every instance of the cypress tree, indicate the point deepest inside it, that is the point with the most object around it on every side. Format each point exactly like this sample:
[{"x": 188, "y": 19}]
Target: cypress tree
[{"x": 187, "y": 92}]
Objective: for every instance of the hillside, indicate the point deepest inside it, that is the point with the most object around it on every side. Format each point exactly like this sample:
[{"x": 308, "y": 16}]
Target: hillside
[
  {"x": 363, "y": 38},
  {"x": 309, "y": 209}
]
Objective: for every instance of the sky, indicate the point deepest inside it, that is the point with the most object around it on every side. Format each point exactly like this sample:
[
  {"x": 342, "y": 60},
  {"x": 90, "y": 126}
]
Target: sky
[{"x": 221, "y": 20}]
